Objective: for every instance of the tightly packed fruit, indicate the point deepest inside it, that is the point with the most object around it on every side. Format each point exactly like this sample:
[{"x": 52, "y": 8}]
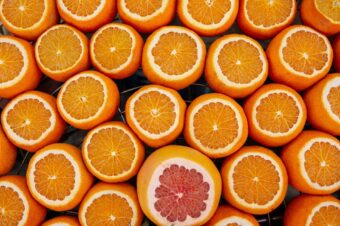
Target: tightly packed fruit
[{"x": 169, "y": 112}]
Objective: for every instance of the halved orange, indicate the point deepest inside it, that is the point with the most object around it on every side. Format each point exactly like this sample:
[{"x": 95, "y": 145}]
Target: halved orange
[
  {"x": 116, "y": 50},
  {"x": 276, "y": 115},
  {"x": 88, "y": 99},
  {"x": 156, "y": 114},
  {"x": 111, "y": 204},
  {"x": 299, "y": 56},
  {"x": 173, "y": 56},
  {"x": 62, "y": 221},
  {"x": 31, "y": 121},
  {"x": 236, "y": 65},
  {"x": 254, "y": 180},
  {"x": 61, "y": 52},
  {"x": 8, "y": 154},
  {"x": 57, "y": 177}
]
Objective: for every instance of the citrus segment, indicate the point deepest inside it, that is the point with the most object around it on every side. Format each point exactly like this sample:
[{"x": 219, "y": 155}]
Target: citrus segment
[
  {"x": 8, "y": 154},
  {"x": 62, "y": 221}
]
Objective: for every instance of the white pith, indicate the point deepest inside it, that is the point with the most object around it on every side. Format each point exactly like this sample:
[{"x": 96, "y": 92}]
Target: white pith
[
  {"x": 335, "y": 82},
  {"x": 140, "y": 18},
  {"x": 329, "y": 18},
  {"x": 234, "y": 220},
  {"x": 318, "y": 207},
  {"x": 86, "y": 18},
  {"x": 60, "y": 224}
]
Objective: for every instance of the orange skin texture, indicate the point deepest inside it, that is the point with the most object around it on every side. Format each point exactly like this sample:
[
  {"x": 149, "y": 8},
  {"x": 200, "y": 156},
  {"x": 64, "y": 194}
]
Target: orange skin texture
[
  {"x": 148, "y": 26},
  {"x": 168, "y": 152},
  {"x": 336, "y": 50},
  {"x": 106, "y": 15},
  {"x": 124, "y": 188},
  {"x": 135, "y": 61},
  {"x": 219, "y": 86},
  {"x": 206, "y": 97},
  {"x": 280, "y": 74},
  {"x": 312, "y": 17},
  {"x": 299, "y": 209},
  {"x": 155, "y": 78},
  {"x": 86, "y": 178},
  {"x": 140, "y": 153},
  {"x": 226, "y": 167},
  {"x": 53, "y": 136},
  {"x": 110, "y": 108},
  {"x": 31, "y": 77},
  {"x": 36, "y": 212},
  {"x": 225, "y": 211},
  {"x": 257, "y": 134},
  {"x": 290, "y": 157},
  {"x": 71, "y": 221},
  {"x": 248, "y": 28},
  {"x": 318, "y": 116},
  {"x": 207, "y": 32},
  {"x": 155, "y": 143},
  {"x": 8, "y": 154}
]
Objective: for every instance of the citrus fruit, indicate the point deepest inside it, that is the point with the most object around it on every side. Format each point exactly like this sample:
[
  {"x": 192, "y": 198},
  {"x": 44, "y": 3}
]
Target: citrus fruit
[
  {"x": 312, "y": 210},
  {"x": 263, "y": 19},
  {"x": 208, "y": 18},
  {"x": 28, "y": 19},
  {"x": 87, "y": 15},
  {"x": 31, "y": 121},
  {"x": 116, "y": 50},
  {"x": 156, "y": 114},
  {"x": 18, "y": 69},
  {"x": 216, "y": 125},
  {"x": 229, "y": 216},
  {"x": 299, "y": 56},
  {"x": 336, "y": 49},
  {"x": 322, "y": 15},
  {"x": 178, "y": 185},
  {"x": 62, "y": 221},
  {"x": 16, "y": 203},
  {"x": 112, "y": 152},
  {"x": 8, "y": 154},
  {"x": 61, "y": 52},
  {"x": 323, "y": 104},
  {"x": 146, "y": 15},
  {"x": 88, "y": 99},
  {"x": 173, "y": 56},
  {"x": 276, "y": 115},
  {"x": 313, "y": 162},
  {"x": 57, "y": 177},
  {"x": 236, "y": 65},
  {"x": 111, "y": 204},
  {"x": 254, "y": 180}
]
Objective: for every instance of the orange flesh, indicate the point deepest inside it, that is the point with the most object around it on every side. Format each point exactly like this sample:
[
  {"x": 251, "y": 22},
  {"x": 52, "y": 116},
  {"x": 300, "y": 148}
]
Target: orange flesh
[
  {"x": 330, "y": 8},
  {"x": 11, "y": 62},
  {"x": 233, "y": 224},
  {"x": 175, "y": 53},
  {"x": 277, "y": 113},
  {"x": 240, "y": 62},
  {"x": 333, "y": 98},
  {"x": 143, "y": 7},
  {"x": 327, "y": 215},
  {"x": 82, "y": 7},
  {"x": 11, "y": 207},
  {"x": 305, "y": 52},
  {"x": 256, "y": 180},
  {"x": 29, "y": 122}
]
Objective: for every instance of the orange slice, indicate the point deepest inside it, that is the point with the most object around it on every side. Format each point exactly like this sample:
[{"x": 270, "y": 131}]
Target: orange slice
[
  {"x": 111, "y": 204},
  {"x": 146, "y": 15},
  {"x": 62, "y": 221},
  {"x": 216, "y": 125},
  {"x": 156, "y": 114},
  {"x": 174, "y": 57},
  {"x": 178, "y": 185},
  {"x": 28, "y": 19},
  {"x": 8, "y": 154},
  {"x": 254, "y": 180},
  {"x": 299, "y": 56},
  {"x": 88, "y": 99},
  {"x": 61, "y": 52},
  {"x": 57, "y": 177},
  {"x": 208, "y": 18},
  {"x": 18, "y": 69},
  {"x": 31, "y": 121},
  {"x": 17, "y": 206},
  {"x": 112, "y": 152},
  {"x": 236, "y": 65},
  {"x": 116, "y": 50},
  {"x": 276, "y": 115}
]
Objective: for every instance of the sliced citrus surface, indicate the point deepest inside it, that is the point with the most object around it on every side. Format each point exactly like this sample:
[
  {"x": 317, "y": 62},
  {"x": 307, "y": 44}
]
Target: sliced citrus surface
[
  {"x": 112, "y": 152},
  {"x": 57, "y": 177},
  {"x": 173, "y": 56},
  {"x": 88, "y": 99},
  {"x": 236, "y": 65},
  {"x": 31, "y": 120},
  {"x": 111, "y": 204},
  {"x": 116, "y": 50},
  {"x": 62, "y": 221},
  {"x": 8, "y": 154}
]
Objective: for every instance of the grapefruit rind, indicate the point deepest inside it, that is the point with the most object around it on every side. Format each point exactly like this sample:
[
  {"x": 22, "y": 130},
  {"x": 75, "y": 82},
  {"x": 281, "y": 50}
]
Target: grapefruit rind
[
  {"x": 234, "y": 220},
  {"x": 333, "y": 83},
  {"x": 99, "y": 8},
  {"x": 318, "y": 207}
]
